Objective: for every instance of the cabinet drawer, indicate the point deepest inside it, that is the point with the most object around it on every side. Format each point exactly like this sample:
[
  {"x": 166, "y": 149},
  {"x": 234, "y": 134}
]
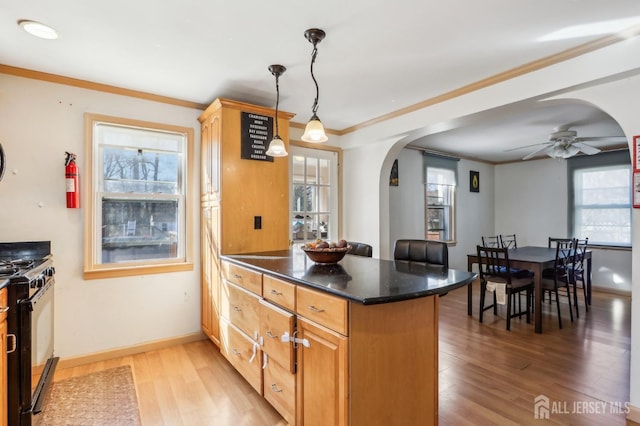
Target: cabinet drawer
[
  {"x": 4, "y": 302},
  {"x": 245, "y": 278},
  {"x": 243, "y": 353},
  {"x": 279, "y": 292},
  {"x": 274, "y": 322},
  {"x": 323, "y": 308},
  {"x": 280, "y": 390},
  {"x": 241, "y": 308}
]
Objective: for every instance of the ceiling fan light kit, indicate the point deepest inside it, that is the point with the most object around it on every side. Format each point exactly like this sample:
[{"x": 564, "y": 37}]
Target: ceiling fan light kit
[{"x": 564, "y": 143}]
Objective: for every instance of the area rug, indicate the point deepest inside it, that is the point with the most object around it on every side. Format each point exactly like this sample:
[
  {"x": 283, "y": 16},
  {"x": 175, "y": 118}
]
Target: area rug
[{"x": 103, "y": 398}]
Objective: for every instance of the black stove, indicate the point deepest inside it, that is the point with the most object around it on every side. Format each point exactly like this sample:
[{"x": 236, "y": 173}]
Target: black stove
[{"x": 28, "y": 266}]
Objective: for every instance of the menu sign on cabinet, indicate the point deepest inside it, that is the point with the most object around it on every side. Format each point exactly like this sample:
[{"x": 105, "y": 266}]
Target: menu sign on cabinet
[{"x": 257, "y": 132}]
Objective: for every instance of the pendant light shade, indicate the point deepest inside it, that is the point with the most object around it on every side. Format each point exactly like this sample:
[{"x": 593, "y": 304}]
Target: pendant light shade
[
  {"x": 314, "y": 131},
  {"x": 276, "y": 146}
]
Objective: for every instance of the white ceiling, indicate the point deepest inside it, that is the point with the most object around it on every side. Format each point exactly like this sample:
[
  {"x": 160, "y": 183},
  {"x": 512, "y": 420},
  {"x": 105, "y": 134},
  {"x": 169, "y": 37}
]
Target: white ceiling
[{"x": 378, "y": 56}]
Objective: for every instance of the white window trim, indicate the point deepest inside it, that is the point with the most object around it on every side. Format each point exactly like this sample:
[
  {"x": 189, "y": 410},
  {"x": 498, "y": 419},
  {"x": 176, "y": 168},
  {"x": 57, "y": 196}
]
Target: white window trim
[
  {"x": 334, "y": 155},
  {"x": 95, "y": 270}
]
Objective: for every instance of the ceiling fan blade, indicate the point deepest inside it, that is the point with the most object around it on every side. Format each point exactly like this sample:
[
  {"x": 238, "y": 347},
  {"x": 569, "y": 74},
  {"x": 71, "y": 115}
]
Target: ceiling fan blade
[
  {"x": 538, "y": 151},
  {"x": 587, "y": 149},
  {"x": 526, "y": 146},
  {"x": 602, "y": 139}
]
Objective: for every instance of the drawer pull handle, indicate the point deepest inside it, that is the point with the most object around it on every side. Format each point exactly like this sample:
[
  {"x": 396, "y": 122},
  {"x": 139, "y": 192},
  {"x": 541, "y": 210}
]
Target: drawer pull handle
[
  {"x": 314, "y": 309},
  {"x": 3, "y": 310},
  {"x": 270, "y": 334},
  {"x": 237, "y": 309},
  {"x": 14, "y": 343},
  {"x": 236, "y": 352},
  {"x": 236, "y": 276},
  {"x": 275, "y": 388},
  {"x": 275, "y": 292}
]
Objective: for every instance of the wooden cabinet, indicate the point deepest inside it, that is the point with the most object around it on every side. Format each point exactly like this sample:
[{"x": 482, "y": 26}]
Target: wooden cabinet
[
  {"x": 322, "y": 376},
  {"x": 233, "y": 192},
  {"x": 4, "y": 414},
  {"x": 210, "y": 271}
]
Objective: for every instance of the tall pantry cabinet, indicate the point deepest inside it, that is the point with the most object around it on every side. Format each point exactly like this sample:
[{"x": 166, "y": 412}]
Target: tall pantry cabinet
[{"x": 237, "y": 196}]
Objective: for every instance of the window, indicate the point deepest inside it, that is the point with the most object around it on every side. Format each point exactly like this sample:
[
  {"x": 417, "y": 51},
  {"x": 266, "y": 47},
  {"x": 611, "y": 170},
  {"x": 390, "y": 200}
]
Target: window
[
  {"x": 600, "y": 198},
  {"x": 314, "y": 195},
  {"x": 137, "y": 209},
  {"x": 440, "y": 196}
]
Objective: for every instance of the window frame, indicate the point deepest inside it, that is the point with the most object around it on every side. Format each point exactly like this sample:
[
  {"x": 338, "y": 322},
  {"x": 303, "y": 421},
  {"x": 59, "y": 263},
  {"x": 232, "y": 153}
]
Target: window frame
[
  {"x": 93, "y": 268},
  {"x": 599, "y": 161},
  {"x": 334, "y": 155},
  {"x": 441, "y": 163}
]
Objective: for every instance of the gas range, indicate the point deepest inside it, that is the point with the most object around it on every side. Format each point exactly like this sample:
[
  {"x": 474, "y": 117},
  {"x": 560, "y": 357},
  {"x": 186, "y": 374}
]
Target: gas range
[
  {"x": 26, "y": 263},
  {"x": 28, "y": 267}
]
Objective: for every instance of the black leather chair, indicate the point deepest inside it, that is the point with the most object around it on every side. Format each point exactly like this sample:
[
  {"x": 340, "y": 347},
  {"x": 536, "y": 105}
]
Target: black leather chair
[
  {"x": 433, "y": 254},
  {"x": 360, "y": 249}
]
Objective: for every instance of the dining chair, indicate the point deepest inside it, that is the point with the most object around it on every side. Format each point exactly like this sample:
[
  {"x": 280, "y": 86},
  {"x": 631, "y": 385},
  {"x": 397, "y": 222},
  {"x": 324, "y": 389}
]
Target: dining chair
[
  {"x": 497, "y": 278},
  {"x": 554, "y": 240},
  {"x": 359, "y": 249},
  {"x": 576, "y": 274},
  {"x": 555, "y": 281},
  {"x": 491, "y": 241},
  {"x": 508, "y": 241}
]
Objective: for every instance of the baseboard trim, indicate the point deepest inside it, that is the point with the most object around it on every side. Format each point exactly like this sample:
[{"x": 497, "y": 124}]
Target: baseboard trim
[
  {"x": 633, "y": 414},
  {"x": 129, "y": 350}
]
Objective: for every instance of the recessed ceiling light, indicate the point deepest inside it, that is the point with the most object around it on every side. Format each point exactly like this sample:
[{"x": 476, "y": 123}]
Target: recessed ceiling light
[{"x": 39, "y": 30}]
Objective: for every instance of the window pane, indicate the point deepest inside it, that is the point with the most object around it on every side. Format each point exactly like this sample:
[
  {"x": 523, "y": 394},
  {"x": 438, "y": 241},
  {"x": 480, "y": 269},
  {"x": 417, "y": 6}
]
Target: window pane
[
  {"x": 324, "y": 202},
  {"x": 145, "y": 172},
  {"x": 312, "y": 170},
  {"x": 324, "y": 172},
  {"x": 297, "y": 171},
  {"x": 602, "y": 204},
  {"x": 138, "y": 230}
]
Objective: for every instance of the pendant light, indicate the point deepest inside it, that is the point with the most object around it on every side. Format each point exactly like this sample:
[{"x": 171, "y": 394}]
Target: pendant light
[
  {"x": 276, "y": 146},
  {"x": 314, "y": 132}
]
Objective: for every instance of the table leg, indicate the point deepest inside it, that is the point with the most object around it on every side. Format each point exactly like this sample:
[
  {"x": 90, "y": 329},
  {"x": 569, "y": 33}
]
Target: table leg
[
  {"x": 537, "y": 300},
  {"x": 588, "y": 283},
  {"x": 469, "y": 289}
]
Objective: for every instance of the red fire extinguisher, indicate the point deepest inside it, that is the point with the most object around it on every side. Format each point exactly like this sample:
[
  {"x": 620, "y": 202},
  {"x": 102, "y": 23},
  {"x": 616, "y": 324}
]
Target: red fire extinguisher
[{"x": 72, "y": 183}]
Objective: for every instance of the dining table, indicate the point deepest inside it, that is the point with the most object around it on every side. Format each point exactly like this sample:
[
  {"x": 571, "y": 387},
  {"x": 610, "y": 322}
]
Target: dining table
[{"x": 535, "y": 259}]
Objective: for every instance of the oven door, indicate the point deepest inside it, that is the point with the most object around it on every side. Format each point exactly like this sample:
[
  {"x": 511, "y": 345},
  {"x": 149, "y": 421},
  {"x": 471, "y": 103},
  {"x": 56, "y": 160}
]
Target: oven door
[{"x": 37, "y": 364}]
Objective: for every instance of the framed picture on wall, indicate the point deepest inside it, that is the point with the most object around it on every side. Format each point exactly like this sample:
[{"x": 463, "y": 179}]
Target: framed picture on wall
[{"x": 474, "y": 181}]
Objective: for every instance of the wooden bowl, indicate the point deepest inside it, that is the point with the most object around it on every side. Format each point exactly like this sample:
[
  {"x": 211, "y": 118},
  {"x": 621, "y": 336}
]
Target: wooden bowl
[{"x": 326, "y": 256}]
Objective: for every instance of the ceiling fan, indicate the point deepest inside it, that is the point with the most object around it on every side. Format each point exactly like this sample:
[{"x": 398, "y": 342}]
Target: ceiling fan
[{"x": 565, "y": 143}]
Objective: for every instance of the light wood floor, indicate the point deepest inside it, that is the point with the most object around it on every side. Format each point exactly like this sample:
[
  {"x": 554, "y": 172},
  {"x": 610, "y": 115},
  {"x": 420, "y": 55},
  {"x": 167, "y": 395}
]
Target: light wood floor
[{"x": 488, "y": 376}]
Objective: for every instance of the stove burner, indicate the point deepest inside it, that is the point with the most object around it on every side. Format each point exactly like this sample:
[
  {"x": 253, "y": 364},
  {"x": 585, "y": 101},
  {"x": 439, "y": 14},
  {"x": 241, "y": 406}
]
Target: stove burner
[{"x": 7, "y": 270}]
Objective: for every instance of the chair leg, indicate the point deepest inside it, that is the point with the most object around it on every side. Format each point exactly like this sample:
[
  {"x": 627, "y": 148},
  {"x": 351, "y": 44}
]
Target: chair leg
[
  {"x": 529, "y": 294},
  {"x": 569, "y": 299},
  {"x": 575, "y": 298},
  {"x": 558, "y": 307},
  {"x": 509, "y": 311},
  {"x": 483, "y": 290},
  {"x": 584, "y": 292}
]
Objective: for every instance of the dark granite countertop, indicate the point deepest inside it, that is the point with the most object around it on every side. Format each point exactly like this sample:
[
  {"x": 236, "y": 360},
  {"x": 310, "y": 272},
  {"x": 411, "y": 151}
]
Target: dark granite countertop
[{"x": 361, "y": 279}]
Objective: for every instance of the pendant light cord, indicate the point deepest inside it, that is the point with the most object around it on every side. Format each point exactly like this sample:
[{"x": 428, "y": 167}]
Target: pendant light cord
[
  {"x": 277, "y": 102},
  {"x": 314, "y": 53}
]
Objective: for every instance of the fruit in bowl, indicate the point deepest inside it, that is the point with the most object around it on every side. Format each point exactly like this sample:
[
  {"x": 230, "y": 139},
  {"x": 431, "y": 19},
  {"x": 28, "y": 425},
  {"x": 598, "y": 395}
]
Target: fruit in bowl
[{"x": 325, "y": 252}]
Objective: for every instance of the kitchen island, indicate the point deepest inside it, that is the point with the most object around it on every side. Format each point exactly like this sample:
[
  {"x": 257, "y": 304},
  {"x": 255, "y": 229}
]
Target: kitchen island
[{"x": 351, "y": 343}]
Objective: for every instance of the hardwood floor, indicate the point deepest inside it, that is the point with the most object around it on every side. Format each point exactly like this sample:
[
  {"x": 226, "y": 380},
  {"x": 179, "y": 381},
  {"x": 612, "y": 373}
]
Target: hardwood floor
[{"x": 488, "y": 376}]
